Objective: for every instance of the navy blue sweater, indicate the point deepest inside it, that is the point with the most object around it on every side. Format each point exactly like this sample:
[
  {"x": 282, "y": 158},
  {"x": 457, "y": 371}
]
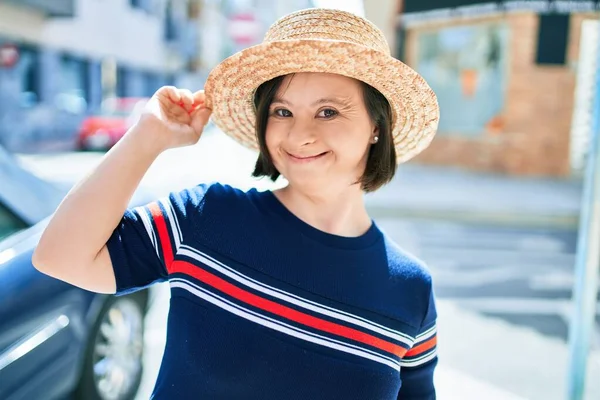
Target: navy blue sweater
[{"x": 265, "y": 306}]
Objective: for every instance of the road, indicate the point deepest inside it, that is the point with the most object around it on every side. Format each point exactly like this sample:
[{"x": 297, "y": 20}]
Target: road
[
  {"x": 522, "y": 276},
  {"x": 503, "y": 292}
]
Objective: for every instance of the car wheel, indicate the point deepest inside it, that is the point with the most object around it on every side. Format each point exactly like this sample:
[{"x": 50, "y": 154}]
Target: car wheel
[{"x": 112, "y": 368}]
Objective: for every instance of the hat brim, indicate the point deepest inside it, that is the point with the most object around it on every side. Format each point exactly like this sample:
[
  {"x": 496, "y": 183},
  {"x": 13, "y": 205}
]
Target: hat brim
[{"x": 231, "y": 85}]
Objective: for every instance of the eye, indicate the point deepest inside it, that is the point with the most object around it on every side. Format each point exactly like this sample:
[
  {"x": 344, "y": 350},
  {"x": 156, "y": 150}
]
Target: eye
[
  {"x": 327, "y": 113},
  {"x": 283, "y": 113}
]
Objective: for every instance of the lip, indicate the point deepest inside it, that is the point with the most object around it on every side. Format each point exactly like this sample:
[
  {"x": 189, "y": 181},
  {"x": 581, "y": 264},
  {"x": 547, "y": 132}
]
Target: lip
[{"x": 306, "y": 159}]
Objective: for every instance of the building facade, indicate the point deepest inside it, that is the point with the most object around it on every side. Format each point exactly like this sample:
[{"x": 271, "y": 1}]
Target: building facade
[
  {"x": 70, "y": 55},
  {"x": 505, "y": 74}
]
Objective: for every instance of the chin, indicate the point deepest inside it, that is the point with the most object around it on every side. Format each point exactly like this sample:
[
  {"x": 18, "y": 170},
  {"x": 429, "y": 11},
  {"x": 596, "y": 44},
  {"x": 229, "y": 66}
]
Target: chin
[
  {"x": 310, "y": 182},
  {"x": 317, "y": 184}
]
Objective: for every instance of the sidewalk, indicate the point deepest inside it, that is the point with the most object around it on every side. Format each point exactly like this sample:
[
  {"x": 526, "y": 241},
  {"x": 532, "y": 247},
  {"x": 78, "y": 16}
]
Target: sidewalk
[
  {"x": 446, "y": 193},
  {"x": 532, "y": 365}
]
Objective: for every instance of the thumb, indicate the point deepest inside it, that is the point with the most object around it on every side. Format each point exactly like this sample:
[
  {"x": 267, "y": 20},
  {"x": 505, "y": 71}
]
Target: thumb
[{"x": 200, "y": 119}]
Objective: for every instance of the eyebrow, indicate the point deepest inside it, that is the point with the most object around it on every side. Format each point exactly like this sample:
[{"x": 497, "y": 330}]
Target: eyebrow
[{"x": 335, "y": 100}]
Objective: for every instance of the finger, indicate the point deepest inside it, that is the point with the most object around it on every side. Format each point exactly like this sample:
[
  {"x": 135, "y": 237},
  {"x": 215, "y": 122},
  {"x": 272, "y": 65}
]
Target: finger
[
  {"x": 199, "y": 97},
  {"x": 200, "y": 118},
  {"x": 172, "y": 109},
  {"x": 187, "y": 98},
  {"x": 172, "y": 94}
]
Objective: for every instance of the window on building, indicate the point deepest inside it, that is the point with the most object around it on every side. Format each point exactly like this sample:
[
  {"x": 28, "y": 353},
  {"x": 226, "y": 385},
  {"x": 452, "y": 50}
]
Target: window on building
[
  {"x": 29, "y": 67},
  {"x": 151, "y": 83},
  {"x": 32, "y": 79},
  {"x": 74, "y": 84},
  {"x": 121, "y": 82},
  {"x": 401, "y": 44},
  {"x": 466, "y": 66},
  {"x": 170, "y": 23},
  {"x": 553, "y": 37}
]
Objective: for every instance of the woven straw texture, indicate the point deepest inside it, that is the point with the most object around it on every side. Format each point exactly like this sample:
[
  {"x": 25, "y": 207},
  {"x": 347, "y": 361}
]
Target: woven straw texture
[{"x": 329, "y": 41}]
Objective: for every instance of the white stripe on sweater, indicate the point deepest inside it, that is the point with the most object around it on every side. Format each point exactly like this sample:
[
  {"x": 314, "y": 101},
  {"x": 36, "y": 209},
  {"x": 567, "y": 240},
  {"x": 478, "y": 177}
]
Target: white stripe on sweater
[{"x": 293, "y": 299}]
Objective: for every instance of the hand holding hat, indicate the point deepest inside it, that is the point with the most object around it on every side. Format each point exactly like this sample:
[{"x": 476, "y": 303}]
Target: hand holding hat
[{"x": 178, "y": 116}]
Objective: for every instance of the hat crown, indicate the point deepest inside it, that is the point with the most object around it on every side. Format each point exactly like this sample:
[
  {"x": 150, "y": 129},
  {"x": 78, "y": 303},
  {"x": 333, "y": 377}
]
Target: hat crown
[{"x": 325, "y": 24}]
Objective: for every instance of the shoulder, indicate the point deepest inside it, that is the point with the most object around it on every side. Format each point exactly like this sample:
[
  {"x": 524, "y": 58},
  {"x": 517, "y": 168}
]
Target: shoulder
[
  {"x": 410, "y": 283},
  {"x": 209, "y": 190},
  {"x": 215, "y": 206},
  {"x": 207, "y": 194},
  {"x": 406, "y": 267},
  {"x": 222, "y": 219}
]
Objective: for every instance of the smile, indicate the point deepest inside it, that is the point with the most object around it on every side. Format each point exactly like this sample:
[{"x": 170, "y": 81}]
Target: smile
[{"x": 306, "y": 159}]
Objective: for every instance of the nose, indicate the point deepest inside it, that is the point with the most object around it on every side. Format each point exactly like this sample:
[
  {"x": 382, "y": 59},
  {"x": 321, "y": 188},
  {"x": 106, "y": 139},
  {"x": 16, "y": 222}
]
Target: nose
[{"x": 301, "y": 132}]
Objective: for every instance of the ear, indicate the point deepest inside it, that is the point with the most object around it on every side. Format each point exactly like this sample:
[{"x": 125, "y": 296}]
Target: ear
[{"x": 375, "y": 135}]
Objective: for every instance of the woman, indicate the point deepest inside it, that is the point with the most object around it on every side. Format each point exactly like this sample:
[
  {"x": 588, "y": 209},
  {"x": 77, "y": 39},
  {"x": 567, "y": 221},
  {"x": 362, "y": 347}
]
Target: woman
[{"x": 291, "y": 294}]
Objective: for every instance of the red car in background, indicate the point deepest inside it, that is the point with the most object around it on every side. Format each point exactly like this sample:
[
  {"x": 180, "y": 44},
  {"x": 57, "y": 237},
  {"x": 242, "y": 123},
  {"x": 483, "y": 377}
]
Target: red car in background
[{"x": 103, "y": 130}]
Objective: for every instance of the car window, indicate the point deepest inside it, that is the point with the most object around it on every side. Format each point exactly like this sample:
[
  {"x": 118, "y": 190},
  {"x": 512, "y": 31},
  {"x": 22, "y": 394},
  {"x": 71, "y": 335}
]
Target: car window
[{"x": 9, "y": 222}]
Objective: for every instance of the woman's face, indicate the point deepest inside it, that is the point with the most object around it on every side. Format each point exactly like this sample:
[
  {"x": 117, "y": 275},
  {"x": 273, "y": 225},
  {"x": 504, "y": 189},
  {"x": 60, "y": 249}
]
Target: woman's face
[{"x": 319, "y": 130}]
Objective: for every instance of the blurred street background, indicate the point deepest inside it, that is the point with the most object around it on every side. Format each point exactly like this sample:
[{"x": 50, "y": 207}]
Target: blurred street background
[{"x": 492, "y": 206}]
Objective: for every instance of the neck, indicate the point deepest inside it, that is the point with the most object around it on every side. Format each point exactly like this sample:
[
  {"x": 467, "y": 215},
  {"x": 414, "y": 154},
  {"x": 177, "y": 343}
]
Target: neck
[{"x": 338, "y": 212}]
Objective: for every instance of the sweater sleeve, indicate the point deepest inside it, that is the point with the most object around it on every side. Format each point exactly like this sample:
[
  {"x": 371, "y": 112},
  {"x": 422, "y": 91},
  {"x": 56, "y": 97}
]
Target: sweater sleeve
[
  {"x": 418, "y": 365},
  {"x": 143, "y": 245}
]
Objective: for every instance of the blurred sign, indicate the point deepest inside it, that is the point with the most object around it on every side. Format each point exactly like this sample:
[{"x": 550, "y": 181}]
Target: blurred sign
[
  {"x": 9, "y": 55},
  {"x": 244, "y": 28}
]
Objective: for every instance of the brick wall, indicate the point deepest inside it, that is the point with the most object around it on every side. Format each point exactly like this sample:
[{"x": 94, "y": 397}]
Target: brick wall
[{"x": 535, "y": 128}]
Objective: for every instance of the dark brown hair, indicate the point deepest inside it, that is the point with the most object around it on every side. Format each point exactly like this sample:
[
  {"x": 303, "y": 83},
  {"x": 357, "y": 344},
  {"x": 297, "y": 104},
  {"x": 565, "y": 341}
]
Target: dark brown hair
[{"x": 381, "y": 162}]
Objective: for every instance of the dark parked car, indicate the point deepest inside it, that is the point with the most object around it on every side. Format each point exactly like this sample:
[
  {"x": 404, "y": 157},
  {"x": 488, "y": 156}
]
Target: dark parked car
[{"x": 57, "y": 341}]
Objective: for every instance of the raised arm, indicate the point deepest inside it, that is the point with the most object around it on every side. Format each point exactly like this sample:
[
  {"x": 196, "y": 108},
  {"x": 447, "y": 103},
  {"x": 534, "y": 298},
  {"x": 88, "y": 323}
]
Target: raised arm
[{"x": 73, "y": 245}]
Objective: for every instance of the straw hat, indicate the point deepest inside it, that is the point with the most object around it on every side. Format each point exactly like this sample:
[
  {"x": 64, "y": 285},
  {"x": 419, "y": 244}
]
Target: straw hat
[{"x": 331, "y": 41}]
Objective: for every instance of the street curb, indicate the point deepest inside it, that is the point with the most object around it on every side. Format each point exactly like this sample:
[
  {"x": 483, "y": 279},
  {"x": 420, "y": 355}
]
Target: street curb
[{"x": 503, "y": 219}]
